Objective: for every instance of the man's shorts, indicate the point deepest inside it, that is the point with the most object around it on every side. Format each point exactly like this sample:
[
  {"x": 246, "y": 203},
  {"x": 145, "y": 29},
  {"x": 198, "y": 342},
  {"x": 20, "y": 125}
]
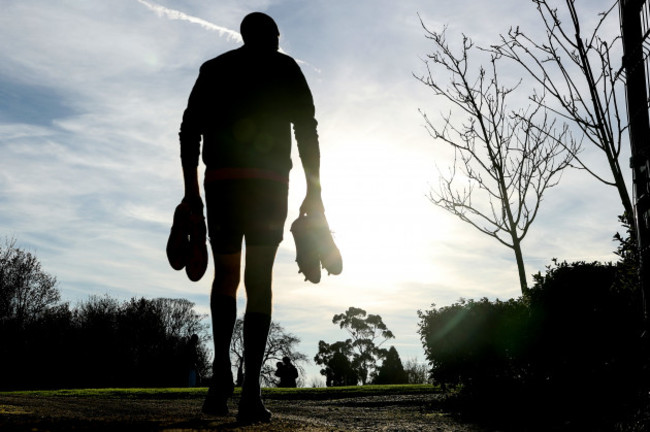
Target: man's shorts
[{"x": 254, "y": 209}]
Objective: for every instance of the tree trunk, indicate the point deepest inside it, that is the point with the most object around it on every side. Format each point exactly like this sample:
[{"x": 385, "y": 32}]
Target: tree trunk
[{"x": 520, "y": 264}]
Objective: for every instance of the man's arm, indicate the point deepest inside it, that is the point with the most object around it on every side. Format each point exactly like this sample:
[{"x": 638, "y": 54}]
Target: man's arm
[
  {"x": 304, "y": 124},
  {"x": 310, "y": 158},
  {"x": 191, "y": 181},
  {"x": 190, "y": 142}
]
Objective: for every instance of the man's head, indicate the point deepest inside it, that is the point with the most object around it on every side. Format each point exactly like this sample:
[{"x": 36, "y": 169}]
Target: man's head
[{"x": 260, "y": 31}]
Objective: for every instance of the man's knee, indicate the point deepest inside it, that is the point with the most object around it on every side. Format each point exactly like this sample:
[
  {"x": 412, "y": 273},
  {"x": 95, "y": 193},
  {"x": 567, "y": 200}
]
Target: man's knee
[
  {"x": 226, "y": 274},
  {"x": 225, "y": 286},
  {"x": 258, "y": 278}
]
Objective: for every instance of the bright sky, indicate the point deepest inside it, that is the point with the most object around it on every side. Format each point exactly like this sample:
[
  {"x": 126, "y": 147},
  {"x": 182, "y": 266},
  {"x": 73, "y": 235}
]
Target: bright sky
[{"x": 91, "y": 97}]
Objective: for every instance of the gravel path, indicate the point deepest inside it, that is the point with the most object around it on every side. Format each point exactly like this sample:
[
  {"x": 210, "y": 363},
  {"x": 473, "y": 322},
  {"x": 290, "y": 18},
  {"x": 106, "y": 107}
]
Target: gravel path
[{"x": 403, "y": 413}]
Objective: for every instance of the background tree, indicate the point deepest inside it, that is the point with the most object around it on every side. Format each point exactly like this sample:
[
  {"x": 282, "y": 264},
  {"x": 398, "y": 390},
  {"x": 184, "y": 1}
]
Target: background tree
[
  {"x": 279, "y": 344},
  {"x": 26, "y": 290},
  {"x": 367, "y": 333},
  {"x": 583, "y": 75},
  {"x": 100, "y": 342},
  {"x": 417, "y": 373},
  {"x": 179, "y": 318},
  {"x": 391, "y": 370},
  {"x": 131, "y": 343},
  {"x": 337, "y": 366},
  {"x": 505, "y": 160}
]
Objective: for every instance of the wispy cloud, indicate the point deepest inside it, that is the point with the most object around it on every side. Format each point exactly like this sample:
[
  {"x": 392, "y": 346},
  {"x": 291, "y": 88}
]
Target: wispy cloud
[
  {"x": 232, "y": 35},
  {"x": 178, "y": 15}
]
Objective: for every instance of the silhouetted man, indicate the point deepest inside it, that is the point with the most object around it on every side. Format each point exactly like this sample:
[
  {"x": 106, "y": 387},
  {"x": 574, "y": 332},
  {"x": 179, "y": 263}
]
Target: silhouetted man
[
  {"x": 192, "y": 360},
  {"x": 242, "y": 105}
]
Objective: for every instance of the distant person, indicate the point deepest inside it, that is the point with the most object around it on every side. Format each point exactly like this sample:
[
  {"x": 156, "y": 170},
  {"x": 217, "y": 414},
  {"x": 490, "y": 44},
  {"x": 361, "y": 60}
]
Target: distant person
[
  {"x": 242, "y": 107},
  {"x": 287, "y": 373},
  {"x": 279, "y": 372},
  {"x": 192, "y": 358}
]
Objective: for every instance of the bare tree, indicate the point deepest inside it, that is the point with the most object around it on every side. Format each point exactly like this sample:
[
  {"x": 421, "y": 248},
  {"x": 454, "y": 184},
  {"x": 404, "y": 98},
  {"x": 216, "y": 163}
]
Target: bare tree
[
  {"x": 279, "y": 344},
  {"x": 504, "y": 159},
  {"x": 26, "y": 290},
  {"x": 583, "y": 76},
  {"x": 180, "y": 319}
]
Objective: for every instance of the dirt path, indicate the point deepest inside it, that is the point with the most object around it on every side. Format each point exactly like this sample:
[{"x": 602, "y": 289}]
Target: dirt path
[{"x": 404, "y": 413}]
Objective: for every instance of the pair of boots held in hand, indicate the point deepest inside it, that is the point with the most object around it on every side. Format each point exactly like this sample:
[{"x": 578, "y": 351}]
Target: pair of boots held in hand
[
  {"x": 186, "y": 246},
  {"x": 256, "y": 328},
  {"x": 315, "y": 247}
]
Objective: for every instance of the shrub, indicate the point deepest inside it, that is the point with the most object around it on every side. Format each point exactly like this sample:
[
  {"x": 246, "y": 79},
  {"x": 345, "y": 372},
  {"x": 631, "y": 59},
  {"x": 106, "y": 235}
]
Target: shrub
[
  {"x": 474, "y": 343},
  {"x": 573, "y": 341}
]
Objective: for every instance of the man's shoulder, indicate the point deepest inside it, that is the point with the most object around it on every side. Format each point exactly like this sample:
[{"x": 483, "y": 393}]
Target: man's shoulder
[
  {"x": 241, "y": 54},
  {"x": 239, "y": 58},
  {"x": 226, "y": 57},
  {"x": 286, "y": 61}
]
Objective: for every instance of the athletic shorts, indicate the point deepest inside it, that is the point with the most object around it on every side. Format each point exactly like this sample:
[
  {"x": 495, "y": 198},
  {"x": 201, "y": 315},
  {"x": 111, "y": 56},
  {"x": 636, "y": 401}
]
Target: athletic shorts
[{"x": 250, "y": 209}]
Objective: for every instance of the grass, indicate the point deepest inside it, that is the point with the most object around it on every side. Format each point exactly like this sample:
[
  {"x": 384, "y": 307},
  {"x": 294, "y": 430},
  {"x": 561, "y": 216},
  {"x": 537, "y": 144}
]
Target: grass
[{"x": 320, "y": 393}]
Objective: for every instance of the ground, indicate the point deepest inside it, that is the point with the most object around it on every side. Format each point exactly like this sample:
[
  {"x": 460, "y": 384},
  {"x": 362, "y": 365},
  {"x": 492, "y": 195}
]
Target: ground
[{"x": 403, "y": 413}]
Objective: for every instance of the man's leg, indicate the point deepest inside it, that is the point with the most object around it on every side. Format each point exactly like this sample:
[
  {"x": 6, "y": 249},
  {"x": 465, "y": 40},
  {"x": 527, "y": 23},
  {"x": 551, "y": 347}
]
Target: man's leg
[
  {"x": 223, "y": 309},
  {"x": 258, "y": 280}
]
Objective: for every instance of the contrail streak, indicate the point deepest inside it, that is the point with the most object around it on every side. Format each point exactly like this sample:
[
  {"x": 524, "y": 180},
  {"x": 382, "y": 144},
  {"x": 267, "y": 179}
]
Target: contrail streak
[
  {"x": 178, "y": 15},
  {"x": 173, "y": 14}
]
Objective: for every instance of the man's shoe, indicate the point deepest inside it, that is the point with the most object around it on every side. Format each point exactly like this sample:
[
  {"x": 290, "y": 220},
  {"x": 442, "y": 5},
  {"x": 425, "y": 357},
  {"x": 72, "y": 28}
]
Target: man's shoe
[
  {"x": 306, "y": 248},
  {"x": 178, "y": 244},
  {"x": 328, "y": 253},
  {"x": 253, "y": 411},
  {"x": 216, "y": 402},
  {"x": 197, "y": 259},
  {"x": 216, "y": 406}
]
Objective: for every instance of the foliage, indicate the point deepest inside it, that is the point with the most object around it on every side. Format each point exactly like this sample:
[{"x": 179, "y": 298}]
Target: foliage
[
  {"x": 391, "y": 371},
  {"x": 627, "y": 273},
  {"x": 586, "y": 327},
  {"x": 347, "y": 362},
  {"x": 337, "y": 367},
  {"x": 139, "y": 342},
  {"x": 474, "y": 343},
  {"x": 279, "y": 344},
  {"x": 101, "y": 342},
  {"x": 574, "y": 337}
]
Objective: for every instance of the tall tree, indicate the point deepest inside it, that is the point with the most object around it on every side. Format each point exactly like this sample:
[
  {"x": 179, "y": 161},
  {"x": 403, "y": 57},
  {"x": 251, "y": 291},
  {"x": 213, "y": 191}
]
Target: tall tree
[
  {"x": 367, "y": 333},
  {"x": 504, "y": 159},
  {"x": 391, "y": 370},
  {"x": 582, "y": 71}
]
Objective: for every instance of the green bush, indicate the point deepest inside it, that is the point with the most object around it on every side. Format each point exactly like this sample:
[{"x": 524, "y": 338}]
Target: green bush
[
  {"x": 573, "y": 341},
  {"x": 587, "y": 333},
  {"x": 475, "y": 343}
]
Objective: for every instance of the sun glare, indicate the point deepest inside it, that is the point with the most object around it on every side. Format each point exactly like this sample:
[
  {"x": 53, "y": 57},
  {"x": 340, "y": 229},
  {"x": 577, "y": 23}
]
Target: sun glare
[{"x": 382, "y": 223}]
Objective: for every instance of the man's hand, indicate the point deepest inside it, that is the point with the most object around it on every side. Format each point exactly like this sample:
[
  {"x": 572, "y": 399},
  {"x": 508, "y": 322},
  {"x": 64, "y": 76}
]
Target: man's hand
[
  {"x": 313, "y": 203},
  {"x": 195, "y": 202}
]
